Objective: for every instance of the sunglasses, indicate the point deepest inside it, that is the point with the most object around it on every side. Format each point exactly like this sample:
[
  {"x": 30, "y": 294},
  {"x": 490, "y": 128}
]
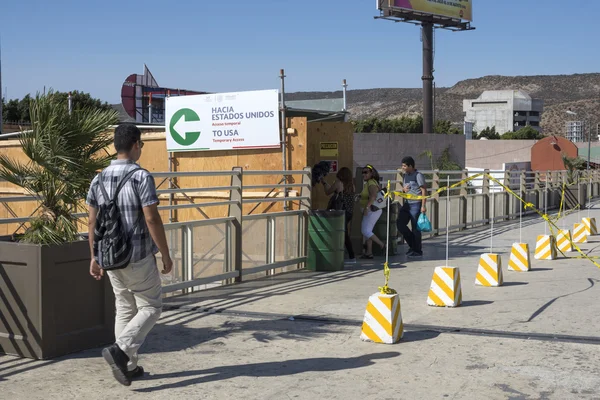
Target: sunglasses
[
  {"x": 141, "y": 144},
  {"x": 366, "y": 172}
]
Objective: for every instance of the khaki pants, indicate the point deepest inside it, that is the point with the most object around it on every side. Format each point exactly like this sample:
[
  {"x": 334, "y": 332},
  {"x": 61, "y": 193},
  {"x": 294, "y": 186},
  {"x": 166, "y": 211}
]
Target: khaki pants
[{"x": 138, "y": 298}]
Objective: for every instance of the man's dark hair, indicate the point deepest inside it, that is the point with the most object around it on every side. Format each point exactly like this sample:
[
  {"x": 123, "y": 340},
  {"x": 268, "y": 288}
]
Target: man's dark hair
[
  {"x": 409, "y": 161},
  {"x": 125, "y": 137}
]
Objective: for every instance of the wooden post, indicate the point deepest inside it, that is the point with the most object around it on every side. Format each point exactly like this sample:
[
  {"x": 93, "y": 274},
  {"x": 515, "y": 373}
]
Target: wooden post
[
  {"x": 234, "y": 234},
  {"x": 399, "y": 180}
]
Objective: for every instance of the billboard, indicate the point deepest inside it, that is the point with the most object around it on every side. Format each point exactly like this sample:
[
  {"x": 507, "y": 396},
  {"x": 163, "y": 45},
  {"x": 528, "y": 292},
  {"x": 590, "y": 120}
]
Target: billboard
[
  {"x": 223, "y": 121},
  {"x": 456, "y": 9}
]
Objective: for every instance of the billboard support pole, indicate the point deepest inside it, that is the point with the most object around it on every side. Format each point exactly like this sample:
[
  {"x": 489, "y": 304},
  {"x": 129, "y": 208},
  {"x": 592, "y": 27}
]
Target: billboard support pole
[
  {"x": 427, "y": 28},
  {"x": 283, "y": 135}
]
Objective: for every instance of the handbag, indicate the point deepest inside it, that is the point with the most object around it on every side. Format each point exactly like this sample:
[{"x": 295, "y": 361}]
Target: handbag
[
  {"x": 380, "y": 200},
  {"x": 336, "y": 202}
]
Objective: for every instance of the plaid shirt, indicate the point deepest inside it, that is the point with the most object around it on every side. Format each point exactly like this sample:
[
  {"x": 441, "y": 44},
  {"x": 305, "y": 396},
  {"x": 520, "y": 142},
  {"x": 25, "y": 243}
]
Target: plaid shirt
[{"x": 138, "y": 192}]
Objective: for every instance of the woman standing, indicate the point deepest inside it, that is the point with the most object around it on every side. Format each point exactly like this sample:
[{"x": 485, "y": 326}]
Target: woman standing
[
  {"x": 344, "y": 187},
  {"x": 371, "y": 213}
]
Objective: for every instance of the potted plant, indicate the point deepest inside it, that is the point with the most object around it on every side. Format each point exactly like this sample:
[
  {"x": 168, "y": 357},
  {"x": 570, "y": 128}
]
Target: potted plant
[
  {"x": 575, "y": 192},
  {"x": 49, "y": 303}
]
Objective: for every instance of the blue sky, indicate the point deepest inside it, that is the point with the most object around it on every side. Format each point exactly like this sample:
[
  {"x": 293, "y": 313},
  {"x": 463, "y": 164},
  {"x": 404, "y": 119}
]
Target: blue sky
[{"x": 234, "y": 45}]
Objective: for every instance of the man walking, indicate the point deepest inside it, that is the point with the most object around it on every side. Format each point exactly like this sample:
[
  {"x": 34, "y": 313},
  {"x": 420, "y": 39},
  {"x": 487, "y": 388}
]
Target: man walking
[
  {"x": 136, "y": 284},
  {"x": 414, "y": 183}
]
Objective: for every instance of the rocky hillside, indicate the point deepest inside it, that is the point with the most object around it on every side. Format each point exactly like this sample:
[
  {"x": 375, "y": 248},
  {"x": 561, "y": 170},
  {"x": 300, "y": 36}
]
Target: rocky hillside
[{"x": 581, "y": 92}]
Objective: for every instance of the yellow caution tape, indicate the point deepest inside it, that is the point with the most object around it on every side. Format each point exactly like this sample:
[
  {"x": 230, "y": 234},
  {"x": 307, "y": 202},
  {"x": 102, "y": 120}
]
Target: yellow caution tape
[
  {"x": 551, "y": 224},
  {"x": 385, "y": 289},
  {"x": 386, "y": 273},
  {"x": 550, "y": 220}
]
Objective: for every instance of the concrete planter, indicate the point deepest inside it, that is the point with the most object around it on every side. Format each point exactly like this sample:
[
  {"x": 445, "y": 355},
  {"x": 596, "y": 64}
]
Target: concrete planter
[{"x": 49, "y": 303}]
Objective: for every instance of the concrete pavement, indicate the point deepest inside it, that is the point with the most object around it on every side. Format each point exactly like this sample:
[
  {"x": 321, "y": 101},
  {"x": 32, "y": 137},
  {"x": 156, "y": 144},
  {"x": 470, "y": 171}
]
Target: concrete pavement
[{"x": 296, "y": 336}]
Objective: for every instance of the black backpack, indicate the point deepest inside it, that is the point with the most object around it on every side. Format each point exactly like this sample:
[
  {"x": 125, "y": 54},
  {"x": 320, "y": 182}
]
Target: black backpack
[
  {"x": 112, "y": 242},
  {"x": 336, "y": 202}
]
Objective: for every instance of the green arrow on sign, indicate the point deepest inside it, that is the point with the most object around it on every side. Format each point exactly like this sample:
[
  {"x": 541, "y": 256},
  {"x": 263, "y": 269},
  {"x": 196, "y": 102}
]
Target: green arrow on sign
[{"x": 185, "y": 127}]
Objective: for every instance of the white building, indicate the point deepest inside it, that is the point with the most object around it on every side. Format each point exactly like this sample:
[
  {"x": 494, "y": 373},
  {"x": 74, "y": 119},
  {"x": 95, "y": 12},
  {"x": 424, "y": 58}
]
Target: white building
[
  {"x": 507, "y": 110},
  {"x": 575, "y": 132}
]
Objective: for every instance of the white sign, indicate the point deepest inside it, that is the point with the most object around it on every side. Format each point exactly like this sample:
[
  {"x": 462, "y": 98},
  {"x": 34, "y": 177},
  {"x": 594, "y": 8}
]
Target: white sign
[{"x": 223, "y": 121}]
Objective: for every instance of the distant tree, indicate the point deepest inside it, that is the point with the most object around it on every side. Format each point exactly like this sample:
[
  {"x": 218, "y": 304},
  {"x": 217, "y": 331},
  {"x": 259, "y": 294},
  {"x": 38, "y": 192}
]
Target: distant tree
[
  {"x": 18, "y": 110},
  {"x": 83, "y": 100},
  {"x": 489, "y": 133},
  {"x": 526, "y": 133},
  {"x": 389, "y": 125},
  {"x": 444, "y": 126},
  {"x": 10, "y": 110},
  {"x": 24, "y": 108}
]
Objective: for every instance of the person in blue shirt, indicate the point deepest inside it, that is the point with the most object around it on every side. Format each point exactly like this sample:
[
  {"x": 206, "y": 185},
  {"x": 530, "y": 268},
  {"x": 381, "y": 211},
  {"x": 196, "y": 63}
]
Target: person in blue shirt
[{"x": 414, "y": 183}]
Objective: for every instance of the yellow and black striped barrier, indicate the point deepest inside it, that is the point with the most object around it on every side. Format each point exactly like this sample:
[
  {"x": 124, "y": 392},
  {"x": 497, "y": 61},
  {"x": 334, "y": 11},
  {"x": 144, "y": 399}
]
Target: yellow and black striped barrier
[{"x": 550, "y": 220}]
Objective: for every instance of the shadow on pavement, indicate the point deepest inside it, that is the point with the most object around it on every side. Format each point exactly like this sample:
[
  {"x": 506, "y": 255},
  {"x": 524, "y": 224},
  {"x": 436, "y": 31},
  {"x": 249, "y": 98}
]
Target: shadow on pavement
[
  {"x": 247, "y": 292},
  {"x": 266, "y": 369},
  {"x": 474, "y": 303},
  {"x": 181, "y": 337},
  {"x": 417, "y": 336},
  {"x": 14, "y": 366},
  {"x": 592, "y": 282}
]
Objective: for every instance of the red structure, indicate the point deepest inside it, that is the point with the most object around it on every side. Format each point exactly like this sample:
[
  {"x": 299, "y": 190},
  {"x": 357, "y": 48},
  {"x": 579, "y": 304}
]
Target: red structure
[
  {"x": 546, "y": 155},
  {"x": 144, "y": 100}
]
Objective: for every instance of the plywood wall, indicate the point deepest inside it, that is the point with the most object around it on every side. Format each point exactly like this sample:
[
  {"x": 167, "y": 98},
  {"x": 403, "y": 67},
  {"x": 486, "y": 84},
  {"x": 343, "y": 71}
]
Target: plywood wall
[
  {"x": 155, "y": 158},
  {"x": 302, "y": 149},
  {"x": 341, "y": 133}
]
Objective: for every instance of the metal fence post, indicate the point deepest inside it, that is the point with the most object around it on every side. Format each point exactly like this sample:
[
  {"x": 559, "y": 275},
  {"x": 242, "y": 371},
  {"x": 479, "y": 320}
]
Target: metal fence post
[
  {"x": 557, "y": 180},
  {"x": 234, "y": 252},
  {"x": 435, "y": 215},
  {"x": 548, "y": 189},
  {"x": 485, "y": 190},
  {"x": 536, "y": 187},
  {"x": 464, "y": 201},
  {"x": 187, "y": 256},
  {"x": 522, "y": 189},
  {"x": 270, "y": 244},
  {"x": 305, "y": 205},
  {"x": 507, "y": 196}
]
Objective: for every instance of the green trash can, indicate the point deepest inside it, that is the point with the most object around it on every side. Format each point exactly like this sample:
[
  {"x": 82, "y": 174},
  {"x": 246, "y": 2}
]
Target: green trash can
[
  {"x": 325, "y": 240},
  {"x": 380, "y": 229}
]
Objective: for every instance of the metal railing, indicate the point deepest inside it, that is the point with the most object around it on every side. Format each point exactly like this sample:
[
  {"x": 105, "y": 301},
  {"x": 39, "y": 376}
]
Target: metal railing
[
  {"x": 470, "y": 204},
  {"x": 210, "y": 249}
]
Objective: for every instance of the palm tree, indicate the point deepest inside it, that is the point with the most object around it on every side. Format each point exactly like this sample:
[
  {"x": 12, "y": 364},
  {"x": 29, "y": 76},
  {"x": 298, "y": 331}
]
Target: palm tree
[
  {"x": 65, "y": 151},
  {"x": 572, "y": 165}
]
